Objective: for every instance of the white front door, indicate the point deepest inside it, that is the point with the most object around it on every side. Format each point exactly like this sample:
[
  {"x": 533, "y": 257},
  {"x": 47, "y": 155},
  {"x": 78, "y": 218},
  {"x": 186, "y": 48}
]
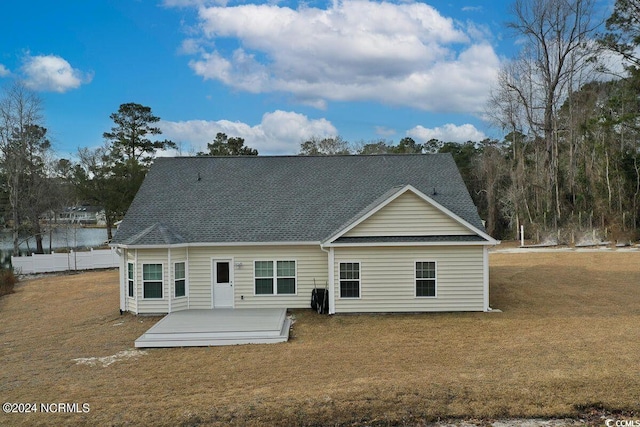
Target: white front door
[{"x": 222, "y": 291}]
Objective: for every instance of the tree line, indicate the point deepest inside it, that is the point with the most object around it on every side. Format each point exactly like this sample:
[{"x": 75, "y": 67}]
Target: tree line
[
  {"x": 568, "y": 105},
  {"x": 35, "y": 185}
]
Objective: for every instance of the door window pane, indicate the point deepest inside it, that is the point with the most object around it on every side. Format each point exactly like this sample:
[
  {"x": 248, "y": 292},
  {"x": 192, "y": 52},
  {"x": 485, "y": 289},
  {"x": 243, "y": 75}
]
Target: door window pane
[{"x": 222, "y": 272}]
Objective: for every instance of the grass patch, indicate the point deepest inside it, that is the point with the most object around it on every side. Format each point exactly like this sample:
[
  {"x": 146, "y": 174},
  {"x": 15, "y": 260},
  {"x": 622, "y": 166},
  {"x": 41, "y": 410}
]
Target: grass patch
[{"x": 565, "y": 344}]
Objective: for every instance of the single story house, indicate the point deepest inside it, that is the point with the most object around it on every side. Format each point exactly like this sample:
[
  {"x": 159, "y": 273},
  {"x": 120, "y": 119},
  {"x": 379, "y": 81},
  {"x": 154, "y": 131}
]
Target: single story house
[
  {"x": 383, "y": 233},
  {"x": 92, "y": 215}
]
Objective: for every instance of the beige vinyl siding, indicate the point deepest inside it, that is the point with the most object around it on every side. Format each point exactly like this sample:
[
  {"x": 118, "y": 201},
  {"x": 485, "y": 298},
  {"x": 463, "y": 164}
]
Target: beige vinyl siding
[
  {"x": 199, "y": 277},
  {"x": 311, "y": 263},
  {"x": 387, "y": 279},
  {"x": 180, "y": 303},
  {"x": 408, "y": 215}
]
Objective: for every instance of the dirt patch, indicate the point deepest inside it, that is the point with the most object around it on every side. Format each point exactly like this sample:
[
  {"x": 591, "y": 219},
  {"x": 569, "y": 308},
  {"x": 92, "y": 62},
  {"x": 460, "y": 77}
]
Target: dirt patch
[{"x": 567, "y": 340}]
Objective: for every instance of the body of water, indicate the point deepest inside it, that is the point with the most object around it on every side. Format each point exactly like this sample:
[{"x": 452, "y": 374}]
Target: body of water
[{"x": 61, "y": 238}]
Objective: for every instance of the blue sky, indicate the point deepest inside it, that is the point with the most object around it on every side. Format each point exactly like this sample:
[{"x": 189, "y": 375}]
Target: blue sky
[{"x": 274, "y": 73}]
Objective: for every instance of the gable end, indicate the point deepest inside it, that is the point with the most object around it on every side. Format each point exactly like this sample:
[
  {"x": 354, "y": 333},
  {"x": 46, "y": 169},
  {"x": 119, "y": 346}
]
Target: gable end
[{"x": 409, "y": 213}]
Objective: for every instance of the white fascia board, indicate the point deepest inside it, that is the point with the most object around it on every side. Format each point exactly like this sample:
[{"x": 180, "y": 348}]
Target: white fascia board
[{"x": 420, "y": 194}]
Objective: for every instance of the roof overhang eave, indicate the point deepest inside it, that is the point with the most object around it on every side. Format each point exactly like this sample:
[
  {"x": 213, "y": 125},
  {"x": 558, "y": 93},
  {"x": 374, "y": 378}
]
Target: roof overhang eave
[{"x": 214, "y": 244}]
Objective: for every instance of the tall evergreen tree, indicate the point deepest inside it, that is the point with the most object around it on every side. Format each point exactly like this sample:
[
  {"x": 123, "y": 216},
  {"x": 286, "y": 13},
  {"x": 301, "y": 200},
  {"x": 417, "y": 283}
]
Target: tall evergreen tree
[
  {"x": 225, "y": 146},
  {"x": 110, "y": 176},
  {"x": 623, "y": 31}
]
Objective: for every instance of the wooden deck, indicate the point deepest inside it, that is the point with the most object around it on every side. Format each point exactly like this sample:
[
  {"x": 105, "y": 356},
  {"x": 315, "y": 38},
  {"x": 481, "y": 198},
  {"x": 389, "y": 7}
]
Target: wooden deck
[{"x": 201, "y": 328}]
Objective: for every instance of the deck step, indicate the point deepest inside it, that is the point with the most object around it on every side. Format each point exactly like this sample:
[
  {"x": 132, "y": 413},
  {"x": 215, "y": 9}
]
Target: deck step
[
  {"x": 215, "y": 338},
  {"x": 221, "y": 335}
]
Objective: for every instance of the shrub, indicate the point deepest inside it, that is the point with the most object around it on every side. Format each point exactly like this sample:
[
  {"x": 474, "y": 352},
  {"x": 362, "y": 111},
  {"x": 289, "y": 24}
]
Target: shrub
[{"x": 7, "y": 281}]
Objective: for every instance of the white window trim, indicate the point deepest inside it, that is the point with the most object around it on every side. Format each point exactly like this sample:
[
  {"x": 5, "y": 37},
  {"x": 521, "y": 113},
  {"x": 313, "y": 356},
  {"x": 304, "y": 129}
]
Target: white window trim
[
  {"x": 186, "y": 288},
  {"x": 275, "y": 277},
  {"x": 359, "y": 280},
  {"x": 131, "y": 280},
  {"x": 415, "y": 279},
  {"x": 163, "y": 297}
]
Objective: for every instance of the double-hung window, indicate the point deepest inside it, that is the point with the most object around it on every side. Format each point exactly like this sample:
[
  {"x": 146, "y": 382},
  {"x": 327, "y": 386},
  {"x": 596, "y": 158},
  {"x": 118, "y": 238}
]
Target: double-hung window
[
  {"x": 286, "y": 277},
  {"x": 152, "y": 280},
  {"x": 349, "y": 280},
  {"x": 426, "y": 278},
  {"x": 263, "y": 277},
  {"x": 275, "y": 277},
  {"x": 179, "y": 279},
  {"x": 131, "y": 271}
]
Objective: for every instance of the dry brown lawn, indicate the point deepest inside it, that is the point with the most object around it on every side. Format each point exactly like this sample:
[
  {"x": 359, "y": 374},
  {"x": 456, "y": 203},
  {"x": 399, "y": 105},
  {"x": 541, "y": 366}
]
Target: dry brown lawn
[{"x": 568, "y": 339}]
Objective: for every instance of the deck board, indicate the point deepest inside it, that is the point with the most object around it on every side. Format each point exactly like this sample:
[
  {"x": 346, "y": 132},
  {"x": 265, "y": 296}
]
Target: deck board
[{"x": 218, "y": 327}]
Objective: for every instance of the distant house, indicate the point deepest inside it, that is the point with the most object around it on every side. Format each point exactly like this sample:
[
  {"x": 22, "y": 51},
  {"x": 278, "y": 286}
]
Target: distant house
[
  {"x": 387, "y": 233},
  {"x": 85, "y": 215}
]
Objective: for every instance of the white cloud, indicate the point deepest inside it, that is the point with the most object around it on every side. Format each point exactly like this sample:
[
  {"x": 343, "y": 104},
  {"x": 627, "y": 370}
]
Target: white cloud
[
  {"x": 279, "y": 132},
  {"x": 447, "y": 133},
  {"x": 4, "y": 72},
  {"x": 190, "y": 47},
  {"x": 384, "y": 131},
  {"x": 52, "y": 73},
  {"x": 401, "y": 54}
]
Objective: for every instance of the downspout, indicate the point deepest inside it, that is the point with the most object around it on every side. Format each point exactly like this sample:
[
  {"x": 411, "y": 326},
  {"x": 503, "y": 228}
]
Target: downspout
[
  {"x": 331, "y": 277},
  {"x": 123, "y": 282},
  {"x": 485, "y": 274},
  {"x": 485, "y": 277},
  {"x": 135, "y": 280},
  {"x": 186, "y": 285},
  {"x": 171, "y": 282}
]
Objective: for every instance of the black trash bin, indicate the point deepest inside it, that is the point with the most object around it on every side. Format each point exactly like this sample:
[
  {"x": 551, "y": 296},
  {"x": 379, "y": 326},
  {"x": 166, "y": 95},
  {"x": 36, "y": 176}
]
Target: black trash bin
[{"x": 320, "y": 300}]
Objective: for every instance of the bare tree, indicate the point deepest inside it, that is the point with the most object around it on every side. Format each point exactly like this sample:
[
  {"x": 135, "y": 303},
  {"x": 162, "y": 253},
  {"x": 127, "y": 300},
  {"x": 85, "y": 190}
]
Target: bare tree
[
  {"x": 491, "y": 169},
  {"x": 556, "y": 45},
  {"x": 23, "y": 147}
]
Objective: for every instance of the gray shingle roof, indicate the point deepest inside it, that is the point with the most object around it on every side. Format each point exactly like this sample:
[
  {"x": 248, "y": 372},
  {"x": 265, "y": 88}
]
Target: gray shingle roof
[{"x": 279, "y": 199}]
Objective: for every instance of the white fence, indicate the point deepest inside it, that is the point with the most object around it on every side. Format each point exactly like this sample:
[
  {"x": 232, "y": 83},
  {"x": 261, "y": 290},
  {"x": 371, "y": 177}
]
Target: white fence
[{"x": 99, "y": 258}]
